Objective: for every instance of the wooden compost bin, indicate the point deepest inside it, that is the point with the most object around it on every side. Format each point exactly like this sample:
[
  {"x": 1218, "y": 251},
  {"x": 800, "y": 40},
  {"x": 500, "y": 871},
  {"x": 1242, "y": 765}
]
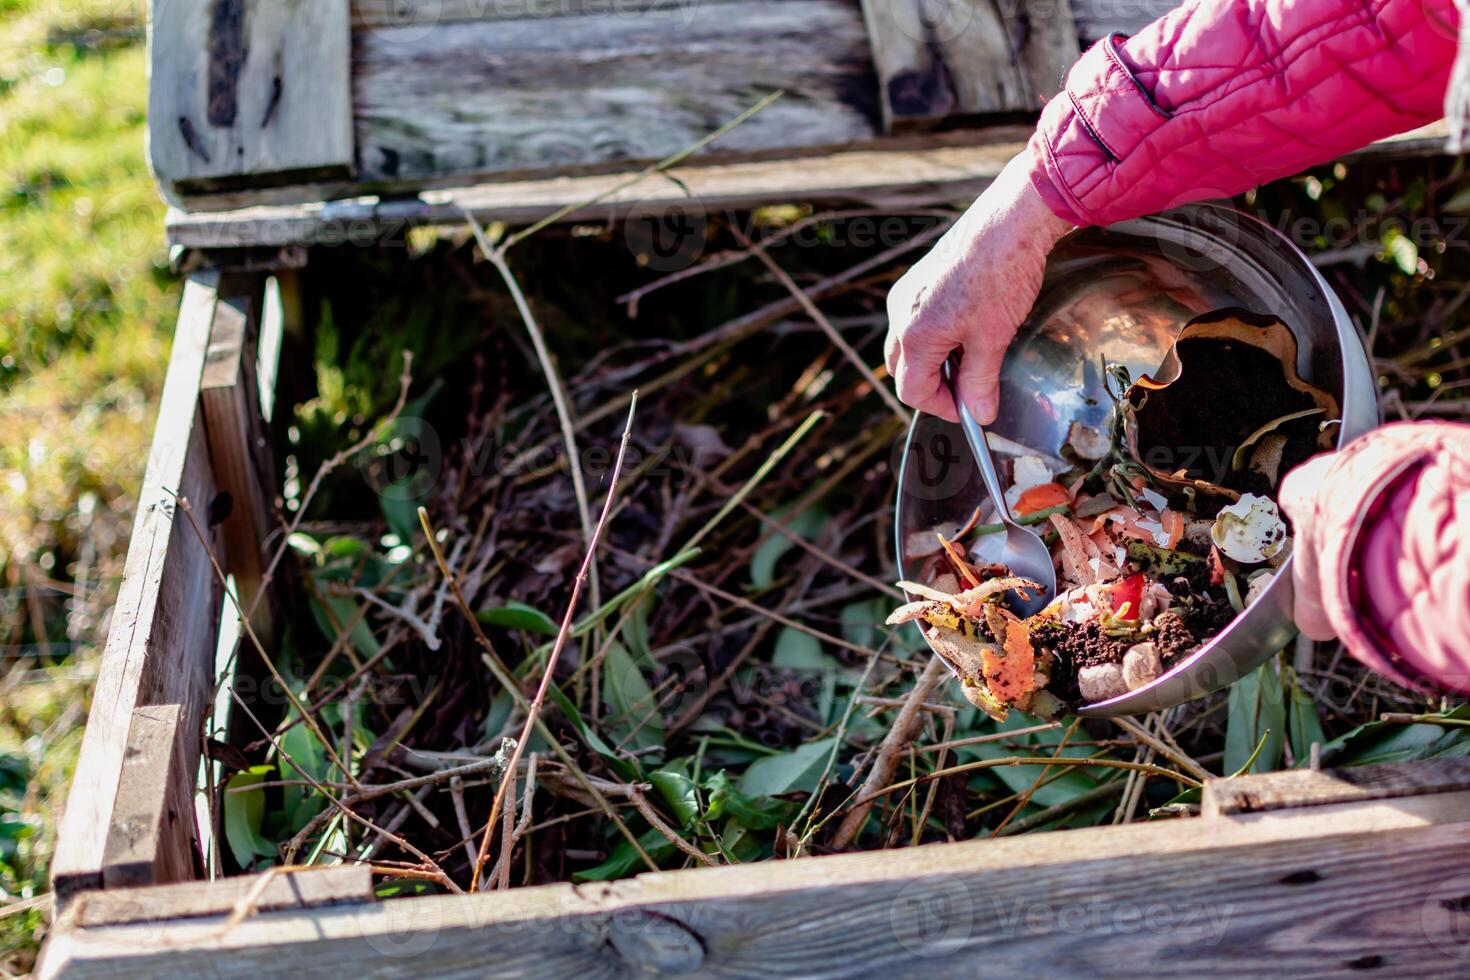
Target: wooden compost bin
[{"x": 280, "y": 126}]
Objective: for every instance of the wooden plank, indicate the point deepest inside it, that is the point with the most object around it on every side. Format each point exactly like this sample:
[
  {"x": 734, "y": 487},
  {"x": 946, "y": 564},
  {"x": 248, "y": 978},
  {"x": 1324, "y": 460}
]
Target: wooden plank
[
  {"x": 938, "y": 59},
  {"x": 1217, "y": 895},
  {"x": 150, "y": 840},
  {"x": 890, "y": 179},
  {"x": 1098, "y": 18},
  {"x": 1306, "y": 787},
  {"x": 493, "y": 97},
  {"x": 246, "y": 91},
  {"x": 299, "y": 889},
  {"x": 901, "y": 172},
  {"x": 239, "y": 442},
  {"x": 427, "y": 14},
  {"x": 160, "y": 645},
  {"x": 1046, "y": 38}
]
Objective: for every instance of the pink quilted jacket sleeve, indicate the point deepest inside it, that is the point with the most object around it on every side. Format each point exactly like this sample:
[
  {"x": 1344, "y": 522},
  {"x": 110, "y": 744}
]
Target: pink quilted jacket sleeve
[
  {"x": 1221, "y": 95},
  {"x": 1386, "y": 531}
]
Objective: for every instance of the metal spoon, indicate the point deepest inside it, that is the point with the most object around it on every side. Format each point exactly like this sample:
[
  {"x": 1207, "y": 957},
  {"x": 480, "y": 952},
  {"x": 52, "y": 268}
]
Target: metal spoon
[{"x": 1025, "y": 553}]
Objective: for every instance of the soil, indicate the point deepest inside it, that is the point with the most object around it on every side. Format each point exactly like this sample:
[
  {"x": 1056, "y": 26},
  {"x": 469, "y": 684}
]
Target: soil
[
  {"x": 1173, "y": 636},
  {"x": 1225, "y": 391},
  {"x": 1086, "y": 645}
]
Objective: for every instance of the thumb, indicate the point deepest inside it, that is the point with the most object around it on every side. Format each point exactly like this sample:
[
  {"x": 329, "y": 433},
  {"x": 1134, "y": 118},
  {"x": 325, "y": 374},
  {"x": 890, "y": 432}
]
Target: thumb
[{"x": 979, "y": 381}]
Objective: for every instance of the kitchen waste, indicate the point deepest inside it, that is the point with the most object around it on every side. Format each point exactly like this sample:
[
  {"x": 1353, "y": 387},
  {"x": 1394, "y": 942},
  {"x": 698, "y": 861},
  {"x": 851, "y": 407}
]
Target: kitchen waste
[{"x": 1162, "y": 521}]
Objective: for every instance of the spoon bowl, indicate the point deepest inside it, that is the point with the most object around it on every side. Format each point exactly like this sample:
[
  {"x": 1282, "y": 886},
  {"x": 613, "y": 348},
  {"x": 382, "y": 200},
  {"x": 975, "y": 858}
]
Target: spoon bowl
[{"x": 1023, "y": 551}]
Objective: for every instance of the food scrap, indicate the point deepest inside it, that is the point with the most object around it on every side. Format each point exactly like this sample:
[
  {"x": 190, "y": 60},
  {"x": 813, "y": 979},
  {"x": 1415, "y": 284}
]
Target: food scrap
[{"x": 1162, "y": 524}]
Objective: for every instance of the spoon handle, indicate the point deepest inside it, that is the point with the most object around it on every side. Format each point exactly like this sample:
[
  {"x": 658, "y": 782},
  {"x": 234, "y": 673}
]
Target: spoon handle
[{"x": 979, "y": 446}]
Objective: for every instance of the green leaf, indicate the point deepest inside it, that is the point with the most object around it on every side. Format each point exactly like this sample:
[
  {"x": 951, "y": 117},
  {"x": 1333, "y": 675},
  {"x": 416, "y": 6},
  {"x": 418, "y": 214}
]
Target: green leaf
[
  {"x": 796, "y": 650},
  {"x": 343, "y": 611},
  {"x": 304, "y": 543},
  {"x": 860, "y": 621},
  {"x": 1386, "y": 741},
  {"x": 634, "y": 720},
  {"x": 518, "y": 616},
  {"x": 1303, "y": 726},
  {"x": 1459, "y": 203},
  {"x": 243, "y": 813},
  {"x": 343, "y": 546},
  {"x": 774, "y": 548},
  {"x": 589, "y": 736},
  {"x": 1256, "y": 704},
  {"x": 1400, "y": 248},
  {"x": 788, "y": 772},
  {"x": 624, "y": 861},
  {"x": 726, "y": 801},
  {"x": 678, "y": 791},
  {"x": 301, "y": 744},
  {"x": 1019, "y": 779},
  {"x": 636, "y": 630}
]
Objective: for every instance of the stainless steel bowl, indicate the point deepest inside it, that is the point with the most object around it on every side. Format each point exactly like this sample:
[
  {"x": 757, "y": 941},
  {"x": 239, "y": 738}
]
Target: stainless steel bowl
[{"x": 1121, "y": 294}]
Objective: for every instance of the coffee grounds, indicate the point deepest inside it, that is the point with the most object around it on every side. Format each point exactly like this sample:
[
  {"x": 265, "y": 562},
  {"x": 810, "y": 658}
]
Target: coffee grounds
[
  {"x": 1172, "y": 637},
  {"x": 1086, "y": 645}
]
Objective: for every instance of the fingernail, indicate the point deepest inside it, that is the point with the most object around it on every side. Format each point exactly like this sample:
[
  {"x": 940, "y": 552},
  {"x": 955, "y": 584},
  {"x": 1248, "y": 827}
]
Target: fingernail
[{"x": 985, "y": 409}]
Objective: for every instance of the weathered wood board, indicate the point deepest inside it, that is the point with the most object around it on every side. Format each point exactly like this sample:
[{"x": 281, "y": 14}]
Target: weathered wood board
[
  {"x": 1097, "y": 19},
  {"x": 1308, "y": 787},
  {"x": 934, "y": 170},
  {"x": 480, "y": 97},
  {"x": 151, "y": 838},
  {"x": 303, "y": 888},
  {"x": 1311, "y": 891},
  {"x": 942, "y": 58},
  {"x": 248, "y": 91},
  {"x": 166, "y": 617}
]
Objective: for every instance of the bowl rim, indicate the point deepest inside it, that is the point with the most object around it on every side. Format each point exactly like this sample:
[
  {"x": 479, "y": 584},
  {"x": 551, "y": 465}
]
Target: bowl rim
[{"x": 1360, "y": 413}]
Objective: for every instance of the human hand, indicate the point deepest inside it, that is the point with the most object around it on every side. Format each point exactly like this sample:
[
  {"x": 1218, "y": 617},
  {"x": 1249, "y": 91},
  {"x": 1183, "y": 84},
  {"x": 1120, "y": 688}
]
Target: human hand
[
  {"x": 971, "y": 291},
  {"x": 1298, "y": 498}
]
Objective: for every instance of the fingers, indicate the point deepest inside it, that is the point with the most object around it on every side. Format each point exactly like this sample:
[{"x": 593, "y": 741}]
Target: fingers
[
  {"x": 1311, "y": 618},
  {"x": 923, "y": 390},
  {"x": 1298, "y": 492},
  {"x": 979, "y": 381},
  {"x": 1298, "y": 500}
]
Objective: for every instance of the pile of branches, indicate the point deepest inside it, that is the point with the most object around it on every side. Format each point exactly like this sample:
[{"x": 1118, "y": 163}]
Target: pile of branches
[{"x": 595, "y": 589}]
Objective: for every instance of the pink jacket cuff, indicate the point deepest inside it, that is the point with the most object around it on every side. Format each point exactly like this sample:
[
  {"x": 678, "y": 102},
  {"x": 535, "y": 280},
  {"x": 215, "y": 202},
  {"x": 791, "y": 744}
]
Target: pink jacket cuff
[
  {"x": 1217, "y": 97},
  {"x": 1391, "y": 532}
]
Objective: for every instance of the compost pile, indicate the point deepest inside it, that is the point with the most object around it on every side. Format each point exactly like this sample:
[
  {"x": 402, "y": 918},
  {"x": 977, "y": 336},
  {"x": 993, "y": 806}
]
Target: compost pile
[
  {"x": 725, "y": 689},
  {"x": 1154, "y": 560}
]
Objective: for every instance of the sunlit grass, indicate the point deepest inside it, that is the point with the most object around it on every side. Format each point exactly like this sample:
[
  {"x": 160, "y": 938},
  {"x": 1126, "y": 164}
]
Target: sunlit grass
[{"x": 86, "y": 306}]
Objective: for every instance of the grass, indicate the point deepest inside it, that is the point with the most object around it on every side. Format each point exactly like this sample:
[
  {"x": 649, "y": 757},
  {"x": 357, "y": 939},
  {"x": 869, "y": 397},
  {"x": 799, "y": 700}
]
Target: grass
[{"x": 85, "y": 312}]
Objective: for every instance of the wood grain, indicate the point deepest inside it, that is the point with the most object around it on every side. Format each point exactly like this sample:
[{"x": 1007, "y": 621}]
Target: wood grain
[
  {"x": 247, "y": 91},
  {"x": 1098, "y": 18},
  {"x": 1312, "y": 891},
  {"x": 894, "y": 179},
  {"x": 901, "y": 172},
  {"x": 427, "y": 14},
  {"x": 161, "y": 642},
  {"x": 496, "y": 97},
  {"x": 304, "y": 888},
  {"x": 1046, "y": 39},
  {"x": 936, "y": 59},
  {"x": 1306, "y": 787},
  {"x": 150, "y": 840},
  {"x": 239, "y": 442}
]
